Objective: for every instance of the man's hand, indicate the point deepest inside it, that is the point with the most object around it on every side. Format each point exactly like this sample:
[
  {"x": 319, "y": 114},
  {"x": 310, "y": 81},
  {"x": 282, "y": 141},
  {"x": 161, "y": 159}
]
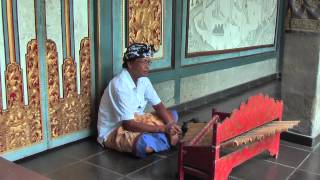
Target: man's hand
[{"x": 172, "y": 128}]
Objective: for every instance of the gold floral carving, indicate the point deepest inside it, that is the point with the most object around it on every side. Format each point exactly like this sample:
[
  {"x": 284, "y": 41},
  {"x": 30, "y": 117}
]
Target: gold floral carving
[
  {"x": 53, "y": 87},
  {"x": 72, "y": 113},
  {"x": 85, "y": 66},
  {"x": 14, "y": 84},
  {"x": 52, "y": 65},
  {"x": 70, "y": 107},
  {"x": 21, "y": 125},
  {"x": 18, "y": 129},
  {"x": 17, "y": 125},
  {"x": 69, "y": 78},
  {"x": 33, "y": 74},
  {"x": 85, "y": 70},
  {"x": 3, "y": 144},
  {"x": 145, "y": 21}
]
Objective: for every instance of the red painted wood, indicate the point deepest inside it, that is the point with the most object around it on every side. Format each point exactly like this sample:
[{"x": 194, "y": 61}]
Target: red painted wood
[
  {"x": 225, "y": 164},
  {"x": 257, "y": 111},
  {"x": 200, "y": 160}
]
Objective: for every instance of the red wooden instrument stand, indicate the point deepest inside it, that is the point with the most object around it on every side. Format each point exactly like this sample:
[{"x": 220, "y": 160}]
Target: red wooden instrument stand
[{"x": 205, "y": 161}]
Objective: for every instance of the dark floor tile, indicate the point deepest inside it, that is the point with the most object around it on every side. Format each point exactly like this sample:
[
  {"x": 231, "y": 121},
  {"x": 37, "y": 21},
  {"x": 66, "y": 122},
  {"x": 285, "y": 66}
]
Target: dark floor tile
[
  {"x": 257, "y": 169},
  {"x": 289, "y": 156},
  {"x": 82, "y": 149},
  {"x": 124, "y": 178},
  {"x": 46, "y": 162},
  {"x": 300, "y": 175},
  {"x": 311, "y": 164},
  {"x": 164, "y": 154},
  {"x": 234, "y": 178},
  {"x": 295, "y": 145},
  {"x": 121, "y": 162},
  {"x": 163, "y": 169},
  {"x": 83, "y": 171},
  {"x": 203, "y": 115}
]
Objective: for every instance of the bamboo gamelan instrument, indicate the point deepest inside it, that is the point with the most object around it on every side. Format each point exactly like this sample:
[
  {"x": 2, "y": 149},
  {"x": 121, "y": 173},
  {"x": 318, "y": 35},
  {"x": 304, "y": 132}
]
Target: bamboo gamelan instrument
[{"x": 248, "y": 131}]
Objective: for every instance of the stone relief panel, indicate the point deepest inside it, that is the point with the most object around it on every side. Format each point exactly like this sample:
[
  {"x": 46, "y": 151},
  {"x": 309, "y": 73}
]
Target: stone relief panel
[
  {"x": 219, "y": 25},
  {"x": 303, "y": 15}
]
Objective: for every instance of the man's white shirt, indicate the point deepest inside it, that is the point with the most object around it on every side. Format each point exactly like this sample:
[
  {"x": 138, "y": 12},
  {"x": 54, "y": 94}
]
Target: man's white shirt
[{"x": 121, "y": 100}]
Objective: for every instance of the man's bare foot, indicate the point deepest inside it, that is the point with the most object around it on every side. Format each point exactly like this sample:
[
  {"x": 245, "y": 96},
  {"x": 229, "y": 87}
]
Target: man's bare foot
[{"x": 149, "y": 150}]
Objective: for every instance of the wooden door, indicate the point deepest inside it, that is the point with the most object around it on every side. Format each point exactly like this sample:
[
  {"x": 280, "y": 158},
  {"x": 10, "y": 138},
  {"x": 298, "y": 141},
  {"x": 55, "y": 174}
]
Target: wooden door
[{"x": 46, "y": 75}]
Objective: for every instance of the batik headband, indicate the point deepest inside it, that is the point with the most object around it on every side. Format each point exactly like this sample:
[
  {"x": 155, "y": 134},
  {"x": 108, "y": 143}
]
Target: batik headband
[{"x": 138, "y": 50}]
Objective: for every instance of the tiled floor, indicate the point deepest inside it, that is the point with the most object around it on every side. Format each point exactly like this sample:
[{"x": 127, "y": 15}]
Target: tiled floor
[{"x": 86, "y": 160}]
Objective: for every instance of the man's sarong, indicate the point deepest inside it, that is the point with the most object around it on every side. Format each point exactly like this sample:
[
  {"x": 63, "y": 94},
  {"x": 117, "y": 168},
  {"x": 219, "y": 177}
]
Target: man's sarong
[{"x": 136, "y": 142}]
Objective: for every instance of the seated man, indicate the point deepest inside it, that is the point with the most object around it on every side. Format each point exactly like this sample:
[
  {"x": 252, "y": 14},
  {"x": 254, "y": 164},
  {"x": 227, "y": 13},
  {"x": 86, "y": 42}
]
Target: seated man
[{"x": 122, "y": 123}]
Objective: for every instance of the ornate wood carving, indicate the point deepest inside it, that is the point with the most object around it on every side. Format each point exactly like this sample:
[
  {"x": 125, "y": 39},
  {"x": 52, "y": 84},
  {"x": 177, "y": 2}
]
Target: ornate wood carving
[
  {"x": 69, "y": 78},
  {"x": 303, "y": 15},
  {"x": 70, "y": 107},
  {"x": 145, "y": 22},
  {"x": 85, "y": 70},
  {"x": 14, "y": 84},
  {"x": 53, "y": 87},
  {"x": 72, "y": 113},
  {"x": 21, "y": 125},
  {"x": 33, "y": 112}
]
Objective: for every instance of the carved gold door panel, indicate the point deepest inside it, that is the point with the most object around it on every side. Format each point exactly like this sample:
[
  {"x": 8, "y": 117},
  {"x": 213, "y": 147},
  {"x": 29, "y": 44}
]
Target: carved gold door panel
[
  {"x": 68, "y": 70},
  {"x": 45, "y": 75},
  {"x": 22, "y": 129}
]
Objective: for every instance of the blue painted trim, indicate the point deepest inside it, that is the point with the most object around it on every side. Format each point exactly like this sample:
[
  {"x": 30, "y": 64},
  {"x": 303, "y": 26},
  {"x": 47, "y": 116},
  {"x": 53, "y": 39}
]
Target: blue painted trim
[
  {"x": 177, "y": 11},
  {"x": 117, "y": 37},
  {"x": 22, "y": 153},
  {"x": 91, "y": 35},
  {"x": 69, "y": 138},
  {"x": 16, "y": 30},
  {"x": 203, "y": 59},
  {"x": 281, "y": 34},
  {"x": 72, "y": 30},
  {"x": 5, "y": 30},
  {"x": 104, "y": 48},
  {"x": 63, "y": 30},
  {"x": 41, "y": 37},
  {"x": 161, "y": 63}
]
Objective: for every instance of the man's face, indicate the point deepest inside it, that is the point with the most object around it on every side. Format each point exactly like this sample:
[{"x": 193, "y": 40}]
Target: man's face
[{"x": 140, "y": 67}]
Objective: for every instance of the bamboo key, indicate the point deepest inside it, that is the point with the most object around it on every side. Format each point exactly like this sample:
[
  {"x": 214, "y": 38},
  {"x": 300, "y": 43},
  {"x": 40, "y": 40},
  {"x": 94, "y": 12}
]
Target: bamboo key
[
  {"x": 253, "y": 135},
  {"x": 260, "y": 133}
]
